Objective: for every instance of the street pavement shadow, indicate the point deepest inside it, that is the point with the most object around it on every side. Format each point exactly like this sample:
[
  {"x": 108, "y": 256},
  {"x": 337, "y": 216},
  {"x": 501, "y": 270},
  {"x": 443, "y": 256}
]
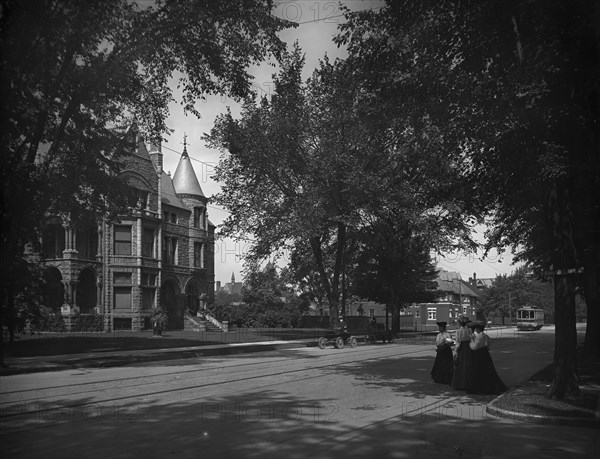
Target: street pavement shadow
[{"x": 269, "y": 424}]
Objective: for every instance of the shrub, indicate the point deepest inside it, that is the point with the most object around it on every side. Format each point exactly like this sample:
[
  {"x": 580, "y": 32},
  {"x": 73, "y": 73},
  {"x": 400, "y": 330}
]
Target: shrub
[
  {"x": 87, "y": 323},
  {"x": 47, "y": 319},
  {"x": 159, "y": 318}
]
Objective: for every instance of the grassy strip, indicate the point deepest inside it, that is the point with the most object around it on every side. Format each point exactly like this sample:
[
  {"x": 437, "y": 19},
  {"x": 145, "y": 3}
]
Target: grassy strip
[{"x": 529, "y": 398}]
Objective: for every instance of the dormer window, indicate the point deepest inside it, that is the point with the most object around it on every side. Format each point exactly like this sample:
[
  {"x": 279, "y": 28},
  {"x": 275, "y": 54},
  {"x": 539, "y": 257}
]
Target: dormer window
[
  {"x": 170, "y": 217},
  {"x": 137, "y": 199}
]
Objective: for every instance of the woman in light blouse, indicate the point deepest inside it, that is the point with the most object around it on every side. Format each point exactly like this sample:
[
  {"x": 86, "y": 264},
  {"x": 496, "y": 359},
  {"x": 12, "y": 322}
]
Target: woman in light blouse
[{"x": 444, "y": 363}]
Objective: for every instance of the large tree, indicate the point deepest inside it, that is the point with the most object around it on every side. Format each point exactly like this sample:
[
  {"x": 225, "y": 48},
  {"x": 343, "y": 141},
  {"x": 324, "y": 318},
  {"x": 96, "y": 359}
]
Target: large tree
[
  {"x": 512, "y": 88},
  {"x": 288, "y": 169},
  {"x": 316, "y": 164},
  {"x": 75, "y": 74}
]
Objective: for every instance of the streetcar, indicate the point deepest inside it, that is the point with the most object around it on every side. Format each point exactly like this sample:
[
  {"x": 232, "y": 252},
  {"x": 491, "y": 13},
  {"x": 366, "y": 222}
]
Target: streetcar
[{"x": 529, "y": 318}]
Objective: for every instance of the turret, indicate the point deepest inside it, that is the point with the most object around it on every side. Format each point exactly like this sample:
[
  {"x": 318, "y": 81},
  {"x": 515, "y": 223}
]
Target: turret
[{"x": 185, "y": 180}]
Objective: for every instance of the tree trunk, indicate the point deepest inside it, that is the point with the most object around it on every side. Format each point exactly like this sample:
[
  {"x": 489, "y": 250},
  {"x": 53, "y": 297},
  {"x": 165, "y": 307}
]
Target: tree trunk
[
  {"x": 395, "y": 317},
  {"x": 337, "y": 270},
  {"x": 564, "y": 384},
  {"x": 2, "y": 365},
  {"x": 330, "y": 291},
  {"x": 560, "y": 229},
  {"x": 10, "y": 319},
  {"x": 591, "y": 291}
]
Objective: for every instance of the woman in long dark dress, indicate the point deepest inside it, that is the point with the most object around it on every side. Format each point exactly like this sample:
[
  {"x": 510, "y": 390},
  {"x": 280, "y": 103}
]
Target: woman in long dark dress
[
  {"x": 462, "y": 366},
  {"x": 483, "y": 378},
  {"x": 444, "y": 363}
]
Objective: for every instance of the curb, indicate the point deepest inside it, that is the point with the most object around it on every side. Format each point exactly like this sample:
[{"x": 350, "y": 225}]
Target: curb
[
  {"x": 496, "y": 411},
  {"x": 125, "y": 358}
]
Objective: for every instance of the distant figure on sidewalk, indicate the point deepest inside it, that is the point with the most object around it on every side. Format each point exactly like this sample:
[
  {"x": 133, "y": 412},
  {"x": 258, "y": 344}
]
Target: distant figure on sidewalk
[
  {"x": 373, "y": 324},
  {"x": 464, "y": 355},
  {"x": 483, "y": 378},
  {"x": 444, "y": 364}
]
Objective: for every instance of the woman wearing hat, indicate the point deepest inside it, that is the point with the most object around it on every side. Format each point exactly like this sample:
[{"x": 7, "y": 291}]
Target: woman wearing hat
[
  {"x": 444, "y": 363},
  {"x": 462, "y": 362},
  {"x": 483, "y": 377}
]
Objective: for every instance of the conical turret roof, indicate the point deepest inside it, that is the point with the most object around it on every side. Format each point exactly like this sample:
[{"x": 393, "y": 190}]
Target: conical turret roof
[{"x": 184, "y": 179}]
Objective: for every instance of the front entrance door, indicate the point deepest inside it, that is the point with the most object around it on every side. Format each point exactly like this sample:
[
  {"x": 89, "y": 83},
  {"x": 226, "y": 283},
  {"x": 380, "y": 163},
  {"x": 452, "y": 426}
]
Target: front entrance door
[{"x": 171, "y": 304}]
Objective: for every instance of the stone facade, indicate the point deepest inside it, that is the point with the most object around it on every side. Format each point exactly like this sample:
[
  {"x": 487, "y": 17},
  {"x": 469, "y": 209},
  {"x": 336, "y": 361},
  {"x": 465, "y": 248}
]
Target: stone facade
[{"x": 161, "y": 254}]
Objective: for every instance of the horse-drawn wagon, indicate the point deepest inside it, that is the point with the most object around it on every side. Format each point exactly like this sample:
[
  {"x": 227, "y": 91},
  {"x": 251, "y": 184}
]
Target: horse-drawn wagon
[{"x": 379, "y": 332}]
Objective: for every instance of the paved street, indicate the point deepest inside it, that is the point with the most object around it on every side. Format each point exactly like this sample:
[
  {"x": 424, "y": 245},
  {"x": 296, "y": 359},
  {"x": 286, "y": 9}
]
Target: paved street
[{"x": 371, "y": 401}]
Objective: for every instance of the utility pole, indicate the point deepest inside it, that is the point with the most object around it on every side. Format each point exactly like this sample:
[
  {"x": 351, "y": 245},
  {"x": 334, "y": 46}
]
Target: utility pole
[
  {"x": 460, "y": 295},
  {"x": 509, "y": 310}
]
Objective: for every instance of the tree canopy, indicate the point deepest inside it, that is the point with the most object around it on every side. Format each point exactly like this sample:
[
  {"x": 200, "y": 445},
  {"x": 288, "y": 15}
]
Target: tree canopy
[{"x": 512, "y": 90}]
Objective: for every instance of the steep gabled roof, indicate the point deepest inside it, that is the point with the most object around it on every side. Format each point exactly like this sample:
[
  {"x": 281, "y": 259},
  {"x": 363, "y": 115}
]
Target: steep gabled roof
[
  {"x": 452, "y": 282},
  {"x": 168, "y": 192}
]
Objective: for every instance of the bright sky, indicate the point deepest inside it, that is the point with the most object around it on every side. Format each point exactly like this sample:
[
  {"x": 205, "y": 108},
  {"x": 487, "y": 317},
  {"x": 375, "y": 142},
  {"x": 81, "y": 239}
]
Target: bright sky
[{"x": 318, "y": 21}]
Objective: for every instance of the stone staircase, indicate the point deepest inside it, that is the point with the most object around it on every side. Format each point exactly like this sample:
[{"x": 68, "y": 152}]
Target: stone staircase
[
  {"x": 215, "y": 324},
  {"x": 210, "y": 324}
]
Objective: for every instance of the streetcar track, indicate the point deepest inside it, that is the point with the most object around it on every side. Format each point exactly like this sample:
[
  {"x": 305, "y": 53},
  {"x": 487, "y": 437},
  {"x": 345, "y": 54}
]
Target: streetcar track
[
  {"x": 70, "y": 386},
  {"x": 187, "y": 388}
]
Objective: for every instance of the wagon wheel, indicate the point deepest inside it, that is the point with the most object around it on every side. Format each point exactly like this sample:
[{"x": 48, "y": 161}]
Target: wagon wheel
[
  {"x": 322, "y": 343},
  {"x": 353, "y": 342},
  {"x": 391, "y": 339},
  {"x": 339, "y": 342},
  {"x": 372, "y": 339}
]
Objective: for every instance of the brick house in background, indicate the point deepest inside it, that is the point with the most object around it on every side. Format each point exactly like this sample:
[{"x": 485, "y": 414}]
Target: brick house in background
[
  {"x": 456, "y": 297},
  {"x": 160, "y": 254}
]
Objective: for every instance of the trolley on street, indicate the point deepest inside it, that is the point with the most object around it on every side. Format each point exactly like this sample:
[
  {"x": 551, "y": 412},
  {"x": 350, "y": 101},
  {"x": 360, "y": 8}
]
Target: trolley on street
[{"x": 529, "y": 318}]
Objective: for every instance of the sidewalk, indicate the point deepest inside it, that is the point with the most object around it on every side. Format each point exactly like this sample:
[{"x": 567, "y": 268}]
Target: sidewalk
[{"x": 55, "y": 352}]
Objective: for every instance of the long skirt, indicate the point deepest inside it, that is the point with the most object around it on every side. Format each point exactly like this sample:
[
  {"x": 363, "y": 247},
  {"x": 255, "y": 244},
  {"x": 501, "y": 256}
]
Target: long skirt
[
  {"x": 462, "y": 367},
  {"x": 443, "y": 366},
  {"x": 484, "y": 378}
]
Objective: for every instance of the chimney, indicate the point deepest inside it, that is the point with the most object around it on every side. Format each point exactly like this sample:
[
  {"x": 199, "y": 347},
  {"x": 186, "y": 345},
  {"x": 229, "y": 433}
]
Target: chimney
[{"x": 156, "y": 155}]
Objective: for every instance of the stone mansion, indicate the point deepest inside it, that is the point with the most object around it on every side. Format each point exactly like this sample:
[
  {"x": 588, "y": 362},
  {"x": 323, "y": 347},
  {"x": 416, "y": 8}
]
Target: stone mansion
[{"x": 160, "y": 254}]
